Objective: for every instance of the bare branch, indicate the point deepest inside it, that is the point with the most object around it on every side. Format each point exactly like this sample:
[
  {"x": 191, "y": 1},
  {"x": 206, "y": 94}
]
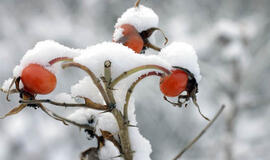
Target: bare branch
[
  {"x": 137, "y": 3},
  {"x": 107, "y": 81},
  {"x": 200, "y": 134},
  {"x": 88, "y": 104},
  {"x": 64, "y": 120}
]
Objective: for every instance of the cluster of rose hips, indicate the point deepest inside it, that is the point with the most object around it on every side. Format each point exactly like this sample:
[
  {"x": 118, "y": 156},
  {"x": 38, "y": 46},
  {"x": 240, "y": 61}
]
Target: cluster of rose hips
[
  {"x": 171, "y": 85},
  {"x": 37, "y": 79}
]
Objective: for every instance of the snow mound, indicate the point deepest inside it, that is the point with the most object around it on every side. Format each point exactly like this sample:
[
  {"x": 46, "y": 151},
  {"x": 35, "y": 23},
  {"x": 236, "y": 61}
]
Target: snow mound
[
  {"x": 141, "y": 17},
  {"x": 43, "y": 53},
  {"x": 182, "y": 55}
]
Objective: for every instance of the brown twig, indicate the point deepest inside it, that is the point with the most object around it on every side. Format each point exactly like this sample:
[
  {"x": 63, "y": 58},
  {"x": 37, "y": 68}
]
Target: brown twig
[
  {"x": 137, "y": 3},
  {"x": 200, "y": 134},
  {"x": 64, "y": 120},
  {"x": 88, "y": 104},
  {"x": 123, "y": 128},
  {"x": 93, "y": 77},
  {"x": 107, "y": 81},
  {"x": 150, "y": 45}
]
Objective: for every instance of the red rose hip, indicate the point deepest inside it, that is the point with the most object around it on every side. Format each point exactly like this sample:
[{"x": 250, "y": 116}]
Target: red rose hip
[
  {"x": 38, "y": 80},
  {"x": 131, "y": 38},
  {"x": 174, "y": 84}
]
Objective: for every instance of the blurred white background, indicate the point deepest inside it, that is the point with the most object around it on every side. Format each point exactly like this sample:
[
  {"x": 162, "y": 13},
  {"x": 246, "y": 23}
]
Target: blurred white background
[{"x": 232, "y": 39}]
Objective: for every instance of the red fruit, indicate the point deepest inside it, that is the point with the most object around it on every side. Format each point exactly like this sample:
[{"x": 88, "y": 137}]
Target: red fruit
[
  {"x": 131, "y": 38},
  {"x": 38, "y": 80},
  {"x": 174, "y": 84}
]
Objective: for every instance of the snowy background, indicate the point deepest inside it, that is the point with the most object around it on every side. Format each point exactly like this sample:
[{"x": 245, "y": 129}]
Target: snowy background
[{"x": 232, "y": 41}]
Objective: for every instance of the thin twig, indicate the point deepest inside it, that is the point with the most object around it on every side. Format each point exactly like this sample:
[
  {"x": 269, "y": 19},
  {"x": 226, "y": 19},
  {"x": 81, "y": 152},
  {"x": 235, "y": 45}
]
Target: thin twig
[
  {"x": 64, "y": 120},
  {"x": 123, "y": 128},
  {"x": 89, "y": 104},
  {"x": 59, "y": 59},
  {"x": 131, "y": 88},
  {"x": 137, "y": 3},
  {"x": 137, "y": 69},
  {"x": 107, "y": 81},
  {"x": 200, "y": 134},
  {"x": 123, "y": 135},
  {"x": 93, "y": 77}
]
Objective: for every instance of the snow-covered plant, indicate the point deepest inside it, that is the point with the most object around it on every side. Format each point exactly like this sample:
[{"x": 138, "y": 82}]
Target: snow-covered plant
[{"x": 104, "y": 96}]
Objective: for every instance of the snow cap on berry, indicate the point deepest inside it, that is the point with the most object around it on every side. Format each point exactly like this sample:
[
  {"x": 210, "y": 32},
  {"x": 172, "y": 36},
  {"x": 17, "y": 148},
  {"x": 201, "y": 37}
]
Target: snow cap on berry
[
  {"x": 141, "y": 17},
  {"x": 42, "y": 54},
  {"x": 182, "y": 55}
]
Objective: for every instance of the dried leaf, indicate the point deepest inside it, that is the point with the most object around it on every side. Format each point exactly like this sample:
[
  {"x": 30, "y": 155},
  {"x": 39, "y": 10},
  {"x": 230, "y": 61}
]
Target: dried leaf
[
  {"x": 15, "y": 110},
  {"x": 107, "y": 135}
]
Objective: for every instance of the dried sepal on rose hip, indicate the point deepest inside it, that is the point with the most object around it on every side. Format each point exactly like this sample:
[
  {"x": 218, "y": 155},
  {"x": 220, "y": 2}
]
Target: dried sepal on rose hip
[
  {"x": 177, "y": 82},
  {"x": 174, "y": 84}
]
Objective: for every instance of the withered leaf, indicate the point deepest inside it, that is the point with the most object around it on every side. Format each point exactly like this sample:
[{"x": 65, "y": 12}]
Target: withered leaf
[
  {"x": 15, "y": 110},
  {"x": 107, "y": 135}
]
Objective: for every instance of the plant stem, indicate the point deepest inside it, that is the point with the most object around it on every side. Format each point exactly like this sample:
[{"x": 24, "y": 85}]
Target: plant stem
[
  {"x": 137, "y": 69},
  {"x": 137, "y": 3},
  {"x": 92, "y": 76},
  {"x": 58, "y": 59},
  {"x": 107, "y": 81},
  {"x": 64, "y": 120},
  {"x": 200, "y": 134},
  {"x": 89, "y": 104},
  {"x": 131, "y": 88},
  {"x": 123, "y": 134},
  {"x": 123, "y": 128}
]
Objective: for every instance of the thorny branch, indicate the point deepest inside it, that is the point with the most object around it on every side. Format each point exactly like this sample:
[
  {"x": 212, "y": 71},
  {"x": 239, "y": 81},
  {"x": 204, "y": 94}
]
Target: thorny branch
[
  {"x": 137, "y": 3},
  {"x": 200, "y": 134}
]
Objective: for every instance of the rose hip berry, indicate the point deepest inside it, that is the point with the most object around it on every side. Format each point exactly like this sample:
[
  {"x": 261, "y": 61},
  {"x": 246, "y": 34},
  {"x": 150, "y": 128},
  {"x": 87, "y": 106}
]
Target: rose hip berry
[
  {"x": 131, "y": 38},
  {"x": 37, "y": 79},
  {"x": 174, "y": 84}
]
